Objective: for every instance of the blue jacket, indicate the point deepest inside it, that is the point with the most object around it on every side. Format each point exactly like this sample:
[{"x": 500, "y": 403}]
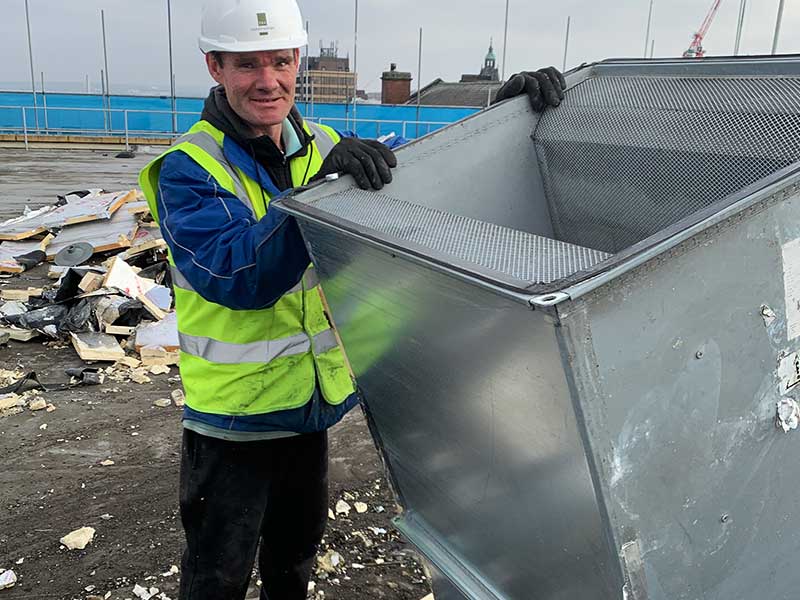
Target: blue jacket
[{"x": 234, "y": 260}]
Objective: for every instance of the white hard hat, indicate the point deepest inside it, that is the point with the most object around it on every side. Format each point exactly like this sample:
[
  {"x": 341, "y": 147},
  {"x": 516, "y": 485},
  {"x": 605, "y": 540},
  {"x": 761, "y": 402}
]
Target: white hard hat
[{"x": 251, "y": 25}]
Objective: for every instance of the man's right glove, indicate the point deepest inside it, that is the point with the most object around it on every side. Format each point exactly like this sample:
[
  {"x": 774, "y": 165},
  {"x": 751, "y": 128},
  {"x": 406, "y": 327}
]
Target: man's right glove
[
  {"x": 543, "y": 87},
  {"x": 368, "y": 161}
]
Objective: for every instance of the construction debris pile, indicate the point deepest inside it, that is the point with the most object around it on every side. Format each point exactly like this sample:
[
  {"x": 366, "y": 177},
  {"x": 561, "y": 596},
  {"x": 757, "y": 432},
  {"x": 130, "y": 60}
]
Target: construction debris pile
[{"x": 111, "y": 295}]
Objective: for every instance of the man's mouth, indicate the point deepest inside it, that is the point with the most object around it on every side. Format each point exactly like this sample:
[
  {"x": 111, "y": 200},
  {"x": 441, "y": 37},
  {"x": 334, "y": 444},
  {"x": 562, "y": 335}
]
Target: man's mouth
[{"x": 265, "y": 101}]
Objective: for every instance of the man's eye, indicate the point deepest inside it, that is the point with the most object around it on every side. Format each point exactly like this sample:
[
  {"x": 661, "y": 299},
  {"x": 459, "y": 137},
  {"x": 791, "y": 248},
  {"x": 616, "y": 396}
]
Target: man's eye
[{"x": 246, "y": 65}]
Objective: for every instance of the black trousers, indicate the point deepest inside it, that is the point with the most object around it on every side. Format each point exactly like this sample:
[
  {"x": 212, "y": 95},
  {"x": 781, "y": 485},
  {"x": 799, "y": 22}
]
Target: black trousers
[{"x": 235, "y": 494}]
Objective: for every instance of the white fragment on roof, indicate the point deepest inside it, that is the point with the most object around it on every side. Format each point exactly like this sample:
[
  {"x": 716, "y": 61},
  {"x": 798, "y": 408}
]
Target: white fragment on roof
[
  {"x": 788, "y": 414},
  {"x": 7, "y": 579},
  {"x": 342, "y": 508},
  {"x": 78, "y": 539},
  {"x": 767, "y": 314}
]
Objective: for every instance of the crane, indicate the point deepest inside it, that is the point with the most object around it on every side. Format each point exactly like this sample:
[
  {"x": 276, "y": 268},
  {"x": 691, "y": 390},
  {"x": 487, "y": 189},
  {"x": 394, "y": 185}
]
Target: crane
[{"x": 696, "y": 49}]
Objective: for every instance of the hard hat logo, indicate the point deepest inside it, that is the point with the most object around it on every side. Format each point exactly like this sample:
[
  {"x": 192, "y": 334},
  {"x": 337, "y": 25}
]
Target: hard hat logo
[
  {"x": 230, "y": 26},
  {"x": 263, "y": 27}
]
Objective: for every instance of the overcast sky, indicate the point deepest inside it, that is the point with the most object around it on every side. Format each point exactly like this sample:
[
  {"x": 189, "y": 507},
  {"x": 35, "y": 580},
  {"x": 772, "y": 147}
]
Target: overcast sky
[{"x": 67, "y": 42}]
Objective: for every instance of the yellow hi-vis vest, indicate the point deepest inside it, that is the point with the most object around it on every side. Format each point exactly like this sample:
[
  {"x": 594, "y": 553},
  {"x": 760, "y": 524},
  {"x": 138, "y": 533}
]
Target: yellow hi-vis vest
[{"x": 248, "y": 362}]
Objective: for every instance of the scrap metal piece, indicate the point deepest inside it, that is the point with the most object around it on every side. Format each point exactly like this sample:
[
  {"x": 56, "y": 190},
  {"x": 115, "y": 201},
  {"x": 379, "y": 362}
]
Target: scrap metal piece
[{"x": 74, "y": 255}]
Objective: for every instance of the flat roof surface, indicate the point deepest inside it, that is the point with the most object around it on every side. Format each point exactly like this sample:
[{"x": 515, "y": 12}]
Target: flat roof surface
[{"x": 36, "y": 177}]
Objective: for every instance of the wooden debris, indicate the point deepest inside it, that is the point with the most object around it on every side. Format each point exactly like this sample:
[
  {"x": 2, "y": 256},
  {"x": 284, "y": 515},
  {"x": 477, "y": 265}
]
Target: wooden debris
[
  {"x": 21, "y": 295},
  {"x": 91, "y": 282},
  {"x": 25, "y": 226},
  {"x": 145, "y": 247},
  {"x": 97, "y": 346},
  {"x": 146, "y": 239},
  {"x": 119, "y": 330},
  {"x": 138, "y": 208}
]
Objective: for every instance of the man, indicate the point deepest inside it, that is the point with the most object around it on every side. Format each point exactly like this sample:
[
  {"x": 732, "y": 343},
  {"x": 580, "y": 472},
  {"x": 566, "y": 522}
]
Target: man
[{"x": 263, "y": 374}]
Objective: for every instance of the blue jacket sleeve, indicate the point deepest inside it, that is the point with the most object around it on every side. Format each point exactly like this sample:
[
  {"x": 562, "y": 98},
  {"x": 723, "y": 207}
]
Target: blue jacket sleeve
[{"x": 227, "y": 256}]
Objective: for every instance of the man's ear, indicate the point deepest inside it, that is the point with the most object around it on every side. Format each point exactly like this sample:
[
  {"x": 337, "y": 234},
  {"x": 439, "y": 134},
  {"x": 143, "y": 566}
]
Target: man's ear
[
  {"x": 214, "y": 68},
  {"x": 297, "y": 57}
]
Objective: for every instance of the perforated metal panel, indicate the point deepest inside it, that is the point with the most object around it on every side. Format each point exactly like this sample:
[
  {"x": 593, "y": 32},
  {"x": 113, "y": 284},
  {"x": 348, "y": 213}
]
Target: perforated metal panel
[
  {"x": 624, "y": 157},
  {"x": 532, "y": 259}
]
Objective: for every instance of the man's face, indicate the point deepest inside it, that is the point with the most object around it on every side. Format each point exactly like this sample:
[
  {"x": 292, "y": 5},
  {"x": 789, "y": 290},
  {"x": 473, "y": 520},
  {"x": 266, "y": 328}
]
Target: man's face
[{"x": 259, "y": 85}]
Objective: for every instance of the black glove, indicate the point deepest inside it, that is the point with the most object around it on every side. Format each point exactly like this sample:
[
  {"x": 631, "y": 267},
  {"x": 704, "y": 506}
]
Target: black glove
[
  {"x": 368, "y": 161},
  {"x": 544, "y": 87}
]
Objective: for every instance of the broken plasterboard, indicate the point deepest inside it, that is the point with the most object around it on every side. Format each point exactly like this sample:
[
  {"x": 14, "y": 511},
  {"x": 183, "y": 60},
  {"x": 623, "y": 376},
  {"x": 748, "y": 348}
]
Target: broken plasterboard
[
  {"x": 155, "y": 298},
  {"x": 10, "y": 250},
  {"x": 94, "y": 207},
  {"x": 97, "y": 346},
  {"x": 19, "y": 335},
  {"x": 12, "y": 308},
  {"x": 108, "y": 309},
  {"x": 158, "y": 356},
  {"x": 114, "y": 234},
  {"x": 162, "y": 334},
  {"x": 20, "y": 295}
]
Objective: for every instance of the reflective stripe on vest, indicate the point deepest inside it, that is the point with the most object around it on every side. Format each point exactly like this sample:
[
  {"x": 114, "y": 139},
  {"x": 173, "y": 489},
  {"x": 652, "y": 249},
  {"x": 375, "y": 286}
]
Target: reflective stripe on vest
[
  {"x": 256, "y": 352},
  {"x": 324, "y": 143},
  {"x": 208, "y": 144}
]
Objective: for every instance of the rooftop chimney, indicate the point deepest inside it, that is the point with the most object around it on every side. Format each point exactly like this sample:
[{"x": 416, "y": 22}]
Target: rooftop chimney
[{"x": 395, "y": 86}]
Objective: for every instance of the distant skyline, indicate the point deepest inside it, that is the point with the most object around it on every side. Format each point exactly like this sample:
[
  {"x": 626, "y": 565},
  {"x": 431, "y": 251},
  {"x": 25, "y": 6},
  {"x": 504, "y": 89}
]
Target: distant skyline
[{"x": 67, "y": 42}]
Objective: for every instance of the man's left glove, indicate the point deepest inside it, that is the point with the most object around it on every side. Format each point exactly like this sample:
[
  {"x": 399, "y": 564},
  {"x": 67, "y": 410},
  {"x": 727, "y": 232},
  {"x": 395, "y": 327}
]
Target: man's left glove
[
  {"x": 544, "y": 87},
  {"x": 368, "y": 161}
]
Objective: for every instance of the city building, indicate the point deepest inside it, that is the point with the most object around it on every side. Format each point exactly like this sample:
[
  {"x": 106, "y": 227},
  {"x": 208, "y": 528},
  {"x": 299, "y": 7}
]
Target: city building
[
  {"x": 326, "y": 78},
  {"x": 489, "y": 70},
  {"x": 472, "y": 90}
]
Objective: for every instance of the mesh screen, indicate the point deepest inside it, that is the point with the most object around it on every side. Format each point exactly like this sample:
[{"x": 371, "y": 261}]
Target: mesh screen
[
  {"x": 625, "y": 157},
  {"x": 530, "y": 258}
]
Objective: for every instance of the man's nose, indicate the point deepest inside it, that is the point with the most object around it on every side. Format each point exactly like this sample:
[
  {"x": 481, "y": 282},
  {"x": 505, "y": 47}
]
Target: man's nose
[{"x": 267, "y": 79}]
